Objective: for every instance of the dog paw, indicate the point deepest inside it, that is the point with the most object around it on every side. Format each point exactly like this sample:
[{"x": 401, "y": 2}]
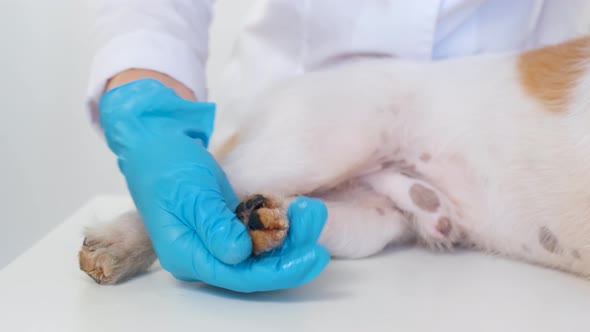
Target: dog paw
[
  {"x": 99, "y": 262},
  {"x": 439, "y": 230},
  {"x": 441, "y": 234},
  {"x": 434, "y": 217},
  {"x": 114, "y": 252},
  {"x": 266, "y": 221}
]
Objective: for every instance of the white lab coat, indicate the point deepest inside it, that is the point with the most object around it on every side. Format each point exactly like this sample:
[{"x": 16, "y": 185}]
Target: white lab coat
[{"x": 283, "y": 38}]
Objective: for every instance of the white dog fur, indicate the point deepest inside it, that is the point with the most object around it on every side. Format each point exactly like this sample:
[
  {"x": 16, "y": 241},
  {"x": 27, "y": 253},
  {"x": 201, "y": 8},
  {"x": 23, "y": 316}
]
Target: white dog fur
[{"x": 490, "y": 152}]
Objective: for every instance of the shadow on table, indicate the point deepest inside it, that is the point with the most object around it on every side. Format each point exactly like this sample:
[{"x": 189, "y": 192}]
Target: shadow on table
[
  {"x": 337, "y": 282},
  {"x": 332, "y": 284}
]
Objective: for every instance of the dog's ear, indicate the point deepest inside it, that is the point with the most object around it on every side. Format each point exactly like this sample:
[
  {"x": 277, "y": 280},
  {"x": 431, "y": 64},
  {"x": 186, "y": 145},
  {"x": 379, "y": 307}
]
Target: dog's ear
[{"x": 226, "y": 147}]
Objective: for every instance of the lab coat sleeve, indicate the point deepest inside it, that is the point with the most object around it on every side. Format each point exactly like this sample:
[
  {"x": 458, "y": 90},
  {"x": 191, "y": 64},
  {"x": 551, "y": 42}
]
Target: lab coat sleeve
[{"x": 168, "y": 36}]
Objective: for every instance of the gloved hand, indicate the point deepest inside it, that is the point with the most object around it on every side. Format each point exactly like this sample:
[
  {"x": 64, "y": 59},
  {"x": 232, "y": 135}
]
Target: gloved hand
[{"x": 186, "y": 202}]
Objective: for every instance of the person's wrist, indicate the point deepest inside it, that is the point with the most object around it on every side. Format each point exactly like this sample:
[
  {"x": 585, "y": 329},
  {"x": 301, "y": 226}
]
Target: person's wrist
[{"x": 130, "y": 75}]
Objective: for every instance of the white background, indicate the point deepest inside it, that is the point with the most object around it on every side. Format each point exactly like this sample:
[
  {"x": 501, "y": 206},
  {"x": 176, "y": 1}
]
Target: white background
[{"x": 51, "y": 159}]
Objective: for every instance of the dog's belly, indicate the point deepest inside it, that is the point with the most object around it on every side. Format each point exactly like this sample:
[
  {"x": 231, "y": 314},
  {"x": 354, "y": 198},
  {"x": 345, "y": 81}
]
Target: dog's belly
[
  {"x": 492, "y": 155},
  {"x": 456, "y": 174},
  {"x": 526, "y": 200}
]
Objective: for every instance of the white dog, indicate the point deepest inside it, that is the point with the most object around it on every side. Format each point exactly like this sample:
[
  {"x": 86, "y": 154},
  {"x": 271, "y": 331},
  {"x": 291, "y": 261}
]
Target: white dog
[{"x": 490, "y": 152}]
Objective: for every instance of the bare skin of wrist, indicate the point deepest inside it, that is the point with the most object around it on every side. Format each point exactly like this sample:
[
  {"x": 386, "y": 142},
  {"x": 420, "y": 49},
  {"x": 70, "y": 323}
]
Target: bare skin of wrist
[{"x": 136, "y": 74}]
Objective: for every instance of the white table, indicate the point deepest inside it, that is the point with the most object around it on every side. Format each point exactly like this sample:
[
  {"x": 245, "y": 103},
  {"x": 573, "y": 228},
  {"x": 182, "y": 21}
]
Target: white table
[{"x": 400, "y": 290}]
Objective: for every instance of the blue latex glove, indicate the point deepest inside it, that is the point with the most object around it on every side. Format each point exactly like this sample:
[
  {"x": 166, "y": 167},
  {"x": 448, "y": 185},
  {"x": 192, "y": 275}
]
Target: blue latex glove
[{"x": 186, "y": 202}]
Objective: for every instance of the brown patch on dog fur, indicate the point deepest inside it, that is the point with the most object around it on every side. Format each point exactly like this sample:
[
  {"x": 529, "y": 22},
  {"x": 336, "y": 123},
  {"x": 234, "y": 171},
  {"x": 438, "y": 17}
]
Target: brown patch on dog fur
[
  {"x": 549, "y": 241},
  {"x": 550, "y": 73},
  {"x": 424, "y": 198},
  {"x": 229, "y": 144}
]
